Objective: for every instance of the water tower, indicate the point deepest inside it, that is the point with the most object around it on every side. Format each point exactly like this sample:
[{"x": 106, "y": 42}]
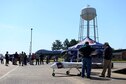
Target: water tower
[{"x": 88, "y": 24}]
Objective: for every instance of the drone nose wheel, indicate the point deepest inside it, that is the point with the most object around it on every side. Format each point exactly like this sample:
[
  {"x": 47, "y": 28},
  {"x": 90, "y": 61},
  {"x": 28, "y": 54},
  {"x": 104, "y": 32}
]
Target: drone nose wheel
[
  {"x": 53, "y": 74},
  {"x": 67, "y": 72}
]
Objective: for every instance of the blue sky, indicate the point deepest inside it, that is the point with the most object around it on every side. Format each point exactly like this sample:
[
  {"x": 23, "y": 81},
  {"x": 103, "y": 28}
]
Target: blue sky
[{"x": 57, "y": 20}]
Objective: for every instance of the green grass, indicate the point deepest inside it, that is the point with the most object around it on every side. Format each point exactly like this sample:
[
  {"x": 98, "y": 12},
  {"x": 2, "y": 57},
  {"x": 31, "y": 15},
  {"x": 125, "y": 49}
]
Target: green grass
[{"x": 119, "y": 61}]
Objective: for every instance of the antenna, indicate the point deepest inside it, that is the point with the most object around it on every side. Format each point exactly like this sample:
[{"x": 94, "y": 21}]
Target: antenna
[{"x": 30, "y": 49}]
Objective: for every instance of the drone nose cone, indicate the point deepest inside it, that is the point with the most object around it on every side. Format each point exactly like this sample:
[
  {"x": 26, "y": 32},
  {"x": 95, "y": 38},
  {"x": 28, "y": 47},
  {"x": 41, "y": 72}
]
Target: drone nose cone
[{"x": 54, "y": 65}]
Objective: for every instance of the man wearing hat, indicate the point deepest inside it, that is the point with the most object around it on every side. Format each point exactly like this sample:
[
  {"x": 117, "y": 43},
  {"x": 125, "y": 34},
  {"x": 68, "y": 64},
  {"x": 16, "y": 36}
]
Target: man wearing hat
[{"x": 107, "y": 54}]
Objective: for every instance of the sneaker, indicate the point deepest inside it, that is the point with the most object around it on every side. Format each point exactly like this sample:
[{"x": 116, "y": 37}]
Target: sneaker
[
  {"x": 108, "y": 76},
  {"x": 89, "y": 77},
  {"x": 101, "y": 76},
  {"x": 82, "y": 76}
]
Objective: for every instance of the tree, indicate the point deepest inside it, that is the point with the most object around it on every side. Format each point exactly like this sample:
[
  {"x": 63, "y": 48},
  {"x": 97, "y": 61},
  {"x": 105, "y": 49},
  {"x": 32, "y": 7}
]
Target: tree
[
  {"x": 57, "y": 45},
  {"x": 66, "y": 44},
  {"x": 73, "y": 42}
]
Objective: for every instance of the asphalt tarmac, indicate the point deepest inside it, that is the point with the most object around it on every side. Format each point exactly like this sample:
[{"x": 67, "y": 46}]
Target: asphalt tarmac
[{"x": 42, "y": 74}]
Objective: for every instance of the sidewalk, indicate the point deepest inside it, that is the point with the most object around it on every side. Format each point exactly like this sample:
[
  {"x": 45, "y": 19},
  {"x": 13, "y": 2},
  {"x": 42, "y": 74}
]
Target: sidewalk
[
  {"x": 41, "y": 74},
  {"x": 5, "y": 69},
  {"x": 114, "y": 75},
  {"x": 117, "y": 66}
]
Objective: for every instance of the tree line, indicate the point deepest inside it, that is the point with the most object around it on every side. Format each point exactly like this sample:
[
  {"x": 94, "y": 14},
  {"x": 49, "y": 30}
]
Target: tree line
[{"x": 58, "y": 45}]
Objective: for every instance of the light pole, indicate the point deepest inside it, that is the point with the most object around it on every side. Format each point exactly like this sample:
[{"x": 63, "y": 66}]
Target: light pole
[{"x": 30, "y": 50}]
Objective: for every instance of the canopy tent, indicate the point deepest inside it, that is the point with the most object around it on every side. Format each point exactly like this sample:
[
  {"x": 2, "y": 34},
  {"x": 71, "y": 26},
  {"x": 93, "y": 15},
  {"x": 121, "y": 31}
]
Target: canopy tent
[{"x": 93, "y": 43}]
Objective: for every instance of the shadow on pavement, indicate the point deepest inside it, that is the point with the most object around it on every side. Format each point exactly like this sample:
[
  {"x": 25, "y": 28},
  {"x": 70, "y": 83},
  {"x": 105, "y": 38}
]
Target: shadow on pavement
[
  {"x": 100, "y": 78},
  {"x": 95, "y": 73},
  {"x": 65, "y": 75},
  {"x": 118, "y": 78},
  {"x": 96, "y": 77},
  {"x": 105, "y": 78},
  {"x": 121, "y": 71}
]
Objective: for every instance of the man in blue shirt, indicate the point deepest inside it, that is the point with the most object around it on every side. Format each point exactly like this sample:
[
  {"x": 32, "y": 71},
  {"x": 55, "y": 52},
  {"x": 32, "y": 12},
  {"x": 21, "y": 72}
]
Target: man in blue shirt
[{"x": 86, "y": 51}]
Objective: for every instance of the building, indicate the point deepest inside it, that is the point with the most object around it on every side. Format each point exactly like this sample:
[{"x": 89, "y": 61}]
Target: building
[{"x": 119, "y": 54}]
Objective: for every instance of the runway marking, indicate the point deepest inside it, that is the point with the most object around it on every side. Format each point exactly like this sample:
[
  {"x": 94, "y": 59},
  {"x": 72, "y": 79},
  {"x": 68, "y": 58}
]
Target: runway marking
[{"x": 8, "y": 73}]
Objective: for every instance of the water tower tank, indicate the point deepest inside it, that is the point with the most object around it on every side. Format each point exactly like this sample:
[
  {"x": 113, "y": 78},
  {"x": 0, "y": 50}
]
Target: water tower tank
[{"x": 88, "y": 13}]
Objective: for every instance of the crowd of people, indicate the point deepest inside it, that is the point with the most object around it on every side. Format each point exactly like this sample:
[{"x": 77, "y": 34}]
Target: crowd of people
[{"x": 22, "y": 59}]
